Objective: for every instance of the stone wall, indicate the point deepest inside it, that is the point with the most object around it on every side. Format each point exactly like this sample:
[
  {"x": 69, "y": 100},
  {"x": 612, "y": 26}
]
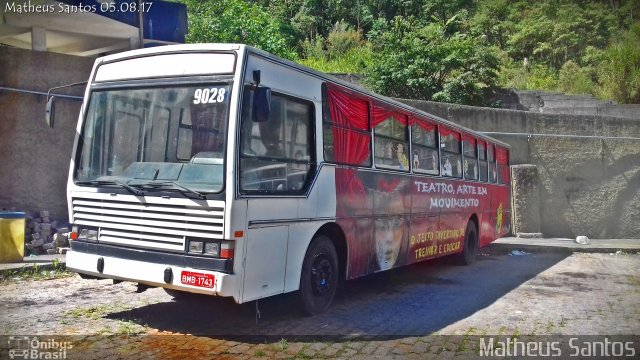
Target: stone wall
[
  {"x": 34, "y": 159},
  {"x": 557, "y": 103},
  {"x": 526, "y": 200},
  {"x": 586, "y": 186}
]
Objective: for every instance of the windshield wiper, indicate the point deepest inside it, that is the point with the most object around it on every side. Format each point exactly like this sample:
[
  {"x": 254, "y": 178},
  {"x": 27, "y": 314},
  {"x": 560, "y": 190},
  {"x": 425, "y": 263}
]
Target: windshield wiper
[
  {"x": 112, "y": 182},
  {"x": 158, "y": 184}
]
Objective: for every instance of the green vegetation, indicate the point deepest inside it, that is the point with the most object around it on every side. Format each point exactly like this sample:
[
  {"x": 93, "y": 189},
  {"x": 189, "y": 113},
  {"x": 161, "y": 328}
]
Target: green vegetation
[
  {"x": 431, "y": 60},
  {"x": 91, "y": 313},
  {"x": 237, "y": 21},
  {"x": 456, "y": 51},
  {"x": 124, "y": 327},
  {"x": 36, "y": 272}
]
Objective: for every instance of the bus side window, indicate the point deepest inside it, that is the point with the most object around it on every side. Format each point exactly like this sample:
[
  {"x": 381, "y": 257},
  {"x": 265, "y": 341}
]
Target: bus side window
[
  {"x": 424, "y": 146},
  {"x": 482, "y": 155},
  {"x": 276, "y": 155},
  {"x": 493, "y": 171},
  {"x": 470, "y": 157},
  {"x": 451, "y": 154},
  {"x": 345, "y": 127},
  {"x": 390, "y": 136}
]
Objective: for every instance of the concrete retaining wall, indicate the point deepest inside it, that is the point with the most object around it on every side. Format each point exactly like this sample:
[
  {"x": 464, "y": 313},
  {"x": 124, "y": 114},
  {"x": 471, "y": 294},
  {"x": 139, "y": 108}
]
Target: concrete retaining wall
[
  {"x": 526, "y": 200},
  {"x": 557, "y": 103}
]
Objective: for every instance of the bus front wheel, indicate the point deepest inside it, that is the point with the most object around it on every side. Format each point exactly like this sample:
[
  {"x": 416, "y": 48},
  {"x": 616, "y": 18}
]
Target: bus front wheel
[
  {"x": 319, "y": 277},
  {"x": 468, "y": 254}
]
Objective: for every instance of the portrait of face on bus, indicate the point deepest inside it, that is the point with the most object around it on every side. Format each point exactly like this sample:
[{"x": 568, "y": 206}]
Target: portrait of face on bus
[{"x": 389, "y": 224}]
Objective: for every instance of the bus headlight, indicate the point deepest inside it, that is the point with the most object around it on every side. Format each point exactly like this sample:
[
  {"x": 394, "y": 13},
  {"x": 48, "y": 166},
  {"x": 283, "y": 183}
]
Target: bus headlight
[
  {"x": 211, "y": 248},
  {"x": 84, "y": 234},
  {"x": 195, "y": 247},
  {"x": 216, "y": 248}
]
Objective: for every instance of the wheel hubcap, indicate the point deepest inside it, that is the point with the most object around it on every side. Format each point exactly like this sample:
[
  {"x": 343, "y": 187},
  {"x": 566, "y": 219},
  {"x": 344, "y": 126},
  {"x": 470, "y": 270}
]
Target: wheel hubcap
[{"x": 321, "y": 275}]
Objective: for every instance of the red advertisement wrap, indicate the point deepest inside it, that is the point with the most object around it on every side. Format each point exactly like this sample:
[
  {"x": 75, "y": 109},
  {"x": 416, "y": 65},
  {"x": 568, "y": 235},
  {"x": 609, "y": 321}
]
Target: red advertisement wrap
[
  {"x": 396, "y": 219},
  {"x": 392, "y": 219}
]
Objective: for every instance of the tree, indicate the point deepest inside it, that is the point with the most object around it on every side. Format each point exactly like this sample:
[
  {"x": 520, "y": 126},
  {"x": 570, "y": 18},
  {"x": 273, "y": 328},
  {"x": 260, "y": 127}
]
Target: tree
[
  {"x": 426, "y": 61},
  {"x": 237, "y": 21},
  {"x": 572, "y": 79},
  {"x": 619, "y": 71},
  {"x": 557, "y": 31}
]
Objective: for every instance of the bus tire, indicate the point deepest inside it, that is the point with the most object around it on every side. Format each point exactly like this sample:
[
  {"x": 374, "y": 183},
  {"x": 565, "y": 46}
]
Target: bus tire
[
  {"x": 468, "y": 254},
  {"x": 319, "y": 277}
]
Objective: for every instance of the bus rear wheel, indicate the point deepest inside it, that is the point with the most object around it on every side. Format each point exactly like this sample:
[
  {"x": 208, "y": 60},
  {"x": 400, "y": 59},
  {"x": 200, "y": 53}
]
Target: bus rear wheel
[
  {"x": 468, "y": 254},
  {"x": 319, "y": 277}
]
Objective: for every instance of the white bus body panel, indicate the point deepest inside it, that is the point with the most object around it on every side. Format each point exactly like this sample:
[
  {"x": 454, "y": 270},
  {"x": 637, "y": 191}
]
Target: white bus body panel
[
  {"x": 265, "y": 262},
  {"x": 167, "y": 65},
  {"x": 268, "y": 258},
  {"x": 284, "y": 226}
]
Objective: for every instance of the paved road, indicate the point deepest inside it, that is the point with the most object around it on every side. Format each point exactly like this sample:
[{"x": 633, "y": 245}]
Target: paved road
[{"x": 387, "y": 314}]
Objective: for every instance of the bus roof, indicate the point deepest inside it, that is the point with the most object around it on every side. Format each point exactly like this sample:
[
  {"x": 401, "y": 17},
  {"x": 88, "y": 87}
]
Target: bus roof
[{"x": 324, "y": 76}]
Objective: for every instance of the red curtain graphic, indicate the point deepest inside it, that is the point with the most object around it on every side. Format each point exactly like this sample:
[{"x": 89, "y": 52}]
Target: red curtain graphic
[
  {"x": 424, "y": 124},
  {"x": 381, "y": 114},
  {"x": 347, "y": 110},
  {"x": 350, "y": 146},
  {"x": 445, "y": 131},
  {"x": 469, "y": 138}
]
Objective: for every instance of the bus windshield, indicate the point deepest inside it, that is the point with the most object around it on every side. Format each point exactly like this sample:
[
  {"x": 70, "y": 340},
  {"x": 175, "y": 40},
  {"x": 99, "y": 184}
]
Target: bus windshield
[{"x": 156, "y": 136}]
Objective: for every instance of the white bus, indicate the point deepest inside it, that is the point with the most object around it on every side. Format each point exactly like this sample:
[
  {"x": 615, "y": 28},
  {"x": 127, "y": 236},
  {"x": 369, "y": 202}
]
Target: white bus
[{"x": 223, "y": 170}]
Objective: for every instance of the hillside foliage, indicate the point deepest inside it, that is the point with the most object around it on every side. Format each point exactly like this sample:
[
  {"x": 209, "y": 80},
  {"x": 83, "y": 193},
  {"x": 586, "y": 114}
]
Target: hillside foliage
[{"x": 457, "y": 51}]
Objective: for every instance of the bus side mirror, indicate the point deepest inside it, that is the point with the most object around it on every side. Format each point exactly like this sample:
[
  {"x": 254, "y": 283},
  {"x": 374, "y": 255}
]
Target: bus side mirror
[
  {"x": 50, "y": 111},
  {"x": 261, "y": 104}
]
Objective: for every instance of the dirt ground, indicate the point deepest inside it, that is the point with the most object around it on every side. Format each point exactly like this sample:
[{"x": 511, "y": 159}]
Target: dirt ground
[{"x": 401, "y": 313}]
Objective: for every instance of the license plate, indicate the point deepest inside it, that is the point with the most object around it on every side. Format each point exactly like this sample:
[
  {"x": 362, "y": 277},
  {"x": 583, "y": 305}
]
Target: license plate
[{"x": 197, "y": 279}]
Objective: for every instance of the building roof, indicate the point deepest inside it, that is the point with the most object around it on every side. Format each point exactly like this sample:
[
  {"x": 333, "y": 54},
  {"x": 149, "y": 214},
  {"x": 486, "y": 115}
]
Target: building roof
[{"x": 90, "y": 27}]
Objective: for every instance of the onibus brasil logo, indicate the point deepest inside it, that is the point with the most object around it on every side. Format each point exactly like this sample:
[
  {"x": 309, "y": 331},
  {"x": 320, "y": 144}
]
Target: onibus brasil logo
[{"x": 25, "y": 347}]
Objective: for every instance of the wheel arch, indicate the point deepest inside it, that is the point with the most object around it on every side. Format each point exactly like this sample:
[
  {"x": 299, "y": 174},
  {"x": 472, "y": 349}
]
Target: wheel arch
[
  {"x": 334, "y": 232},
  {"x": 299, "y": 248}
]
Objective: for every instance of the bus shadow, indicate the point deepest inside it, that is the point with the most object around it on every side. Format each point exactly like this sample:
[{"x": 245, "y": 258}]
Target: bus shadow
[{"x": 416, "y": 300}]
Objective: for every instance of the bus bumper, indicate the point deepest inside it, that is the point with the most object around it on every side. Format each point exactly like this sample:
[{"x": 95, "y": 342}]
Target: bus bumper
[{"x": 152, "y": 274}]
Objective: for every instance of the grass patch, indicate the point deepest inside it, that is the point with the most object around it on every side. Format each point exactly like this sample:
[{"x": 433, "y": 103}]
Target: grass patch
[
  {"x": 279, "y": 346},
  {"x": 90, "y": 313},
  {"x": 563, "y": 321},
  {"x": 37, "y": 272},
  {"x": 550, "y": 327},
  {"x": 502, "y": 330},
  {"x": 129, "y": 328},
  {"x": 282, "y": 344}
]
